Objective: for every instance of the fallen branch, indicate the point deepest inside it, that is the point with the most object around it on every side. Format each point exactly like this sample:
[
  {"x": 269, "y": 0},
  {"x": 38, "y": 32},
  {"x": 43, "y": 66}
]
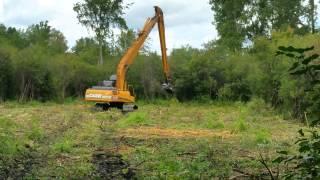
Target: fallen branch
[
  {"x": 239, "y": 176},
  {"x": 243, "y": 173},
  {"x": 264, "y": 163},
  {"x": 187, "y": 153}
]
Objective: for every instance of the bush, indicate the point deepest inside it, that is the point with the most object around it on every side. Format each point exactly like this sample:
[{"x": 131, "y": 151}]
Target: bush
[
  {"x": 305, "y": 163},
  {"x": 258, "y": 106},
  {"x": 212, "y": 121},
  {"x": 240, "y": 125},
  {"x": 262, "y": 137},
  {"x": 215, "y": 124},
  {"x": 134, "y": 119},
  {"x": 63, "y": 146},
  {"x": 8, "y": 142},
  {"x": 235, "y": 92},
  {"x": 36, "y": 133},
  {"x": 5, "y": 76}
]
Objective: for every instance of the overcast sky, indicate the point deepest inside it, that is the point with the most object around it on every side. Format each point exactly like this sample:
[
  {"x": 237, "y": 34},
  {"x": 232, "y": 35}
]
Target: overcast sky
[{"x": 187, "y": 21}]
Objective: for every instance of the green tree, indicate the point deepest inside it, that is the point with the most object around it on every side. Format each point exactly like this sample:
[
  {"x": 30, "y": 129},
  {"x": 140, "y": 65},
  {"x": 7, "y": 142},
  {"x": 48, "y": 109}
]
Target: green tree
[
  {"x": 84, "y": 43},
  {"x": 312, "y": 15},
  {"x": 266, "y": 15},
  {"x": 259, "y": 15},
  {"x": 13, "y": 37},
  {"x": 100, "y": 16},
  {"x": 32, "y": 77},
  {"x": 63, "y": 70},
  {"x": 287, "y": 13},
  {"x": 242, "y": 20},
  {"x": 44, "y": 35},
  {"x": 39, "y": 33},
  {"x": 5, "y": 76},
  {"x": 124, "y": 41},
  {"x": 146, "y": 76},
  {"x": 57, "y": 42},
  {"x": 229, "y": 18},
  {"x": 306, "y": 162},
  {"x": 85, "y": 76},
  {"x": 87, "y": 49}
]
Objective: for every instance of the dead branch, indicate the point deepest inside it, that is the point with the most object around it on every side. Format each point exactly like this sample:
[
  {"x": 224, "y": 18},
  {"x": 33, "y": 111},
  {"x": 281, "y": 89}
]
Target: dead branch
[{"x": 264, "y": 163}]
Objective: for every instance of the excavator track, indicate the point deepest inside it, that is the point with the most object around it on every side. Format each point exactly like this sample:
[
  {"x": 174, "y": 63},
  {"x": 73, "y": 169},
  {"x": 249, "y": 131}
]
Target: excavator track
[{"x": 127, "y": 107}]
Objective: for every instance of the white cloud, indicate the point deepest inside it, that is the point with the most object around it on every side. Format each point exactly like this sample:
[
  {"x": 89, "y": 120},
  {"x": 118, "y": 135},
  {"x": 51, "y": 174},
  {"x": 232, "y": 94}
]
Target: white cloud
[
  {"x": 1, "y": 10},
  {"x": 22, "y": 13},
  {"x": 187, "y": 21}
]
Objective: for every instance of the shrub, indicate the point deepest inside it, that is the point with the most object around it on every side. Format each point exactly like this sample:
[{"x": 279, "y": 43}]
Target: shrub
[
  {"x": 64, "y": 146},
  {"x": 5, "y": 76},
  {"x": 215, "y": 124},
  {"x": 8, "y": 142},
  {"x": 240, "y": 125},
  {"x": 36, "y": 133},
  {"x": 134, "y": 119},
  {"x": 236, "y": 91},
  {"x": 212, "y": 121},
  {"x": 258, "y": 106},
  {"x": 262, "y": 137},
  {"x": 305, "y": 163}
]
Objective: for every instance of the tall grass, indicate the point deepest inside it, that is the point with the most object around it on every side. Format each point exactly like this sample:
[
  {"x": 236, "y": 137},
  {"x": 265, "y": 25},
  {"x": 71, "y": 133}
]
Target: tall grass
[{"x": 134, "y": 119}]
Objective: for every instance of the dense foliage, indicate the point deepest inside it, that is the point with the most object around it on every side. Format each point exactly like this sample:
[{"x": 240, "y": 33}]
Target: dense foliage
[
  {"x": 37, "y": 65},
  {"x": 243, "y": 20},
  {"x": 306, "y": 162}
]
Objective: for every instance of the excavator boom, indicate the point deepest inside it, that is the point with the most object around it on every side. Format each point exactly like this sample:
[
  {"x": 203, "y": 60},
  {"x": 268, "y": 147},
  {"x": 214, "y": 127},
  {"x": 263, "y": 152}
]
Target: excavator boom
[{"x": 133, "y": 51}]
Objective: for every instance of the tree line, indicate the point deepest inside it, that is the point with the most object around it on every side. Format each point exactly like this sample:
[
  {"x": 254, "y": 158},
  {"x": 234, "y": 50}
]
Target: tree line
[{"x": 241, "y": 65}]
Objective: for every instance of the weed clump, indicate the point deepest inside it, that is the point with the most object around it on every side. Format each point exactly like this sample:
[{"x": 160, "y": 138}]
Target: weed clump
[
  {"x": 262, "y": 137},
  {"x": 36, "y": 133},
  {"x": 134, "y": 119},
  {"x": 212, "y": 121},
  {"x": 258, "y": 107},
  {"x": 9, "y": 145},
  {"x": 64, "y": 146},
  {"x": 215, "y": 125},
  {"x": 240, "y": 125},
  {"x": 183, "y": 159},
  {"x": 16, "y": 159}
]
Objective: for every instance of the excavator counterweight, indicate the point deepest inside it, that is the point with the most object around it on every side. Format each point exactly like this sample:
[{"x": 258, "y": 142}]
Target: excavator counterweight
[{"x": 115, "y": 92}]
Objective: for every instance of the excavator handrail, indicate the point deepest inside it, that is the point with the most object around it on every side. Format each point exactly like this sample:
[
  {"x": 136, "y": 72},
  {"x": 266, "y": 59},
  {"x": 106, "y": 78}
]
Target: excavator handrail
[{"x": 132, "y": 52}]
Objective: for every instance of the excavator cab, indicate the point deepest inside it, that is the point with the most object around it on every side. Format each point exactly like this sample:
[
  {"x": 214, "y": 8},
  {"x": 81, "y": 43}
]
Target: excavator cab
[{"x": 107, "y": 84}]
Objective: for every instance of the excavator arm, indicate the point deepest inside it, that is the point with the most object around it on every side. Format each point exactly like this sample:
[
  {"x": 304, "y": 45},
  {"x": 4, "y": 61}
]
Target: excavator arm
[{"x": 133, "y": 51}]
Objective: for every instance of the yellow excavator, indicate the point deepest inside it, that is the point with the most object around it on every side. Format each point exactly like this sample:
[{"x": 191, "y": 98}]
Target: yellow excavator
[{"x": 115, "y": 92}]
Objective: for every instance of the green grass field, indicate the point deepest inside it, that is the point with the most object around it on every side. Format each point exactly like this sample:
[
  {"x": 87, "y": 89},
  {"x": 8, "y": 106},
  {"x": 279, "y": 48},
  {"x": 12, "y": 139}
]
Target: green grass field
[{"x": 162, "y": 140}]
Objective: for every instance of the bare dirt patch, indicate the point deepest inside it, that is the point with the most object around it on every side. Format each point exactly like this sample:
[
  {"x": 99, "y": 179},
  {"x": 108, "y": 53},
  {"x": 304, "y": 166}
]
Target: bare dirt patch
[
  {"x": 111, "y": 166},
  {"x": 20, "y": 166},
  {"x": 155, "y": 132},
  {"x": 120, "y": 149}
]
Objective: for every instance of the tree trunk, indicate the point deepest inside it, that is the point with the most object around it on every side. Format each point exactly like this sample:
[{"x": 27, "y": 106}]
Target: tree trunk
[
  {"x": 100, "y": 62},
  {"x": 22, "y": 88},
  {"x": 312, "y": 15},
  {"x": 63, "y": 93}
]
